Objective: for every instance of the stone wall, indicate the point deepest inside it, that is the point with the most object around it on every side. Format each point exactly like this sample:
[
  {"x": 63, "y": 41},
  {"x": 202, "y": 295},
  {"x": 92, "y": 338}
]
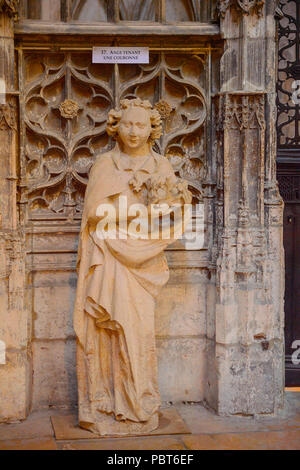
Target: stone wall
[
  {"x": 180, "y": 330},
  {"x": 219, "y": 321}
]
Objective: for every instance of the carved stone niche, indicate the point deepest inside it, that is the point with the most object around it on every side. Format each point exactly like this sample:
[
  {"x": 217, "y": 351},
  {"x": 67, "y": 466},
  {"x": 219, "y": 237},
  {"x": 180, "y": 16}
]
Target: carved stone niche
[{"x": 56, "y": 156}]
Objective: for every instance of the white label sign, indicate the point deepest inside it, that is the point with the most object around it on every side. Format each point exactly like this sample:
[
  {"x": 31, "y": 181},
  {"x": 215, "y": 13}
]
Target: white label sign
[{"x": 120, "y": 55}]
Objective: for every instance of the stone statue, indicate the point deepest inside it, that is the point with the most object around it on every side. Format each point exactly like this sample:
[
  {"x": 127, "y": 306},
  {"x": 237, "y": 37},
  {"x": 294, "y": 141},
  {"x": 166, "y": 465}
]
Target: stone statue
[{"x": 119, "y": 278}]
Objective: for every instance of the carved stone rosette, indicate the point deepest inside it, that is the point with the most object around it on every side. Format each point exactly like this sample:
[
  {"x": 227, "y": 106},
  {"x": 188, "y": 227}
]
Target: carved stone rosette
[
  {"x": 69, "y": 109},
  {"x": 164, "y": 109}
]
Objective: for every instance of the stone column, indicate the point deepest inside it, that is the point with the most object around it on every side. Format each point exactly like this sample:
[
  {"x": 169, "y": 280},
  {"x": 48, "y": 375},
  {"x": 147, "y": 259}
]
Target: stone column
[
  {"x": 15, "y": 373},
  {"x": 249, "y": 342}
]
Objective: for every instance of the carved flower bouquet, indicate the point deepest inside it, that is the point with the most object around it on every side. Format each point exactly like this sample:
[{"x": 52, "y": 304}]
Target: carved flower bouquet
[
  {"x": 169, "y": 190},
  {"x": 168, "y": 195}
]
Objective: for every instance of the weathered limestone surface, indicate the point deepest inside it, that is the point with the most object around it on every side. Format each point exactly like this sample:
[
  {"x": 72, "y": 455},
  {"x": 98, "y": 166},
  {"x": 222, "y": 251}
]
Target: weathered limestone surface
[
  {"x": 181, "y": 368},
  {"x": 219, "y": 321},
  {"x": 15, "y": 374},
  {"x": 180, "y": 333},
  {"x": 248, "y": 346},
  {"x": 57, "y": 387}
]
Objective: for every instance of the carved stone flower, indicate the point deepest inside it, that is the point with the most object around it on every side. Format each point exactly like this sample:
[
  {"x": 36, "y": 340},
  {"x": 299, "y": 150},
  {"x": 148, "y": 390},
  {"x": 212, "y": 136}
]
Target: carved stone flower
[
  {"x": 164, "y": 109},
  {"x": 69, "y": 109},
  {"x": 163, "y": 188},
  {"x": 137, "y": 182}
]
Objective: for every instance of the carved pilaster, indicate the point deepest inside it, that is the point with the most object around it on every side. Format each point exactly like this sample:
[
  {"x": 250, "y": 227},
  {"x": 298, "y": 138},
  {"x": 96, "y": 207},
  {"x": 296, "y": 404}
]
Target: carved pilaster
[
  {"x": 242, "y": 240},
  {"x": 14, "y": 322},
  {"x": 244, "y": 134},
  {"x": 8, "y": 119},
  {"x": 248, "y": 307}
]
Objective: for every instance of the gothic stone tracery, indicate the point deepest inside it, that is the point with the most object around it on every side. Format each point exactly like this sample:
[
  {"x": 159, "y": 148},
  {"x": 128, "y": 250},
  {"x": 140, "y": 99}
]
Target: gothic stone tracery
[
  {"x": 8, "y": 116},
  {"x": 66, "y": 104},
  {"x": 10, "y": 7},
  {"x": 242, "y": 6}
]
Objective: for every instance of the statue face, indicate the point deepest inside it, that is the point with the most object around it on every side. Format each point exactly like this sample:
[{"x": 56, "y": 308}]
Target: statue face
[{"x": 135, "y": 127}]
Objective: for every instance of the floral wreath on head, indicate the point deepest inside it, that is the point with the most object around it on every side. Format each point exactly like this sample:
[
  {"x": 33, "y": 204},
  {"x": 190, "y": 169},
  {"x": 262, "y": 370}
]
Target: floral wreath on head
[{"x": 114, "y": 118}]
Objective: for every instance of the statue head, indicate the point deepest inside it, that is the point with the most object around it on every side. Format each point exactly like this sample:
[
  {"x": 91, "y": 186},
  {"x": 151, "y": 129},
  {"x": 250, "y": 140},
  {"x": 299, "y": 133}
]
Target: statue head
[{"x": 135, "y": 123}]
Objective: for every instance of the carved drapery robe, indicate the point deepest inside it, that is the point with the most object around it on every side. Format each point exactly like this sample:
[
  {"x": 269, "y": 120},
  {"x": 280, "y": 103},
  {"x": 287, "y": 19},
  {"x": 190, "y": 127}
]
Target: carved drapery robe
[{"x": 118, "y": 281}]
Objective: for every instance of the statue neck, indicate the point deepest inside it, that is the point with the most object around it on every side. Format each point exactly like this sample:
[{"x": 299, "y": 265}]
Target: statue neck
[{"x": 142, "y": 151}]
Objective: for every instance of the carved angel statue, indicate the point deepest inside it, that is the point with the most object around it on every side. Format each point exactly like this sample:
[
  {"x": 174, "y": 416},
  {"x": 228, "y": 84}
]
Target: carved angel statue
[{"x": 119, "y": 278}]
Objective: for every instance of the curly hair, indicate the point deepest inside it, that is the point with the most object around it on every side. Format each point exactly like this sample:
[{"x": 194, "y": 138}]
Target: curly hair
[{"x": 114, "y": 118}]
